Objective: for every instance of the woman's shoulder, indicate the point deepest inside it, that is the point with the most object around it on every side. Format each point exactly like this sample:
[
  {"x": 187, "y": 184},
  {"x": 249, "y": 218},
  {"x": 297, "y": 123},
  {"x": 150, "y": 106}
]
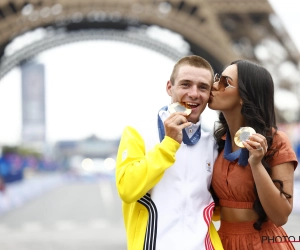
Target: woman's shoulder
[
  {"x": 283, "y": 149},
  {"x": 280, "y": 137}
]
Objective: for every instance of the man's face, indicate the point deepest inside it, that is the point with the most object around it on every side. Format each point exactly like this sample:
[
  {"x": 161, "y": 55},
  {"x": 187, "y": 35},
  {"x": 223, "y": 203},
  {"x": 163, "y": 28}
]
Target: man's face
[{"x": 192, "y": 86}]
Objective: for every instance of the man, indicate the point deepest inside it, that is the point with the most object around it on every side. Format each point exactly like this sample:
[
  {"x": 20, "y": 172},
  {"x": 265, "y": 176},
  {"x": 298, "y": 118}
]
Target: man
[{"x": 164, "y": 169}]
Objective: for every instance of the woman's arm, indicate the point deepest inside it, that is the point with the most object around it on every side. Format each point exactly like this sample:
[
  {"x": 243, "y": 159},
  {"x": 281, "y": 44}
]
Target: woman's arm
[{"x": 276, "y": 205}]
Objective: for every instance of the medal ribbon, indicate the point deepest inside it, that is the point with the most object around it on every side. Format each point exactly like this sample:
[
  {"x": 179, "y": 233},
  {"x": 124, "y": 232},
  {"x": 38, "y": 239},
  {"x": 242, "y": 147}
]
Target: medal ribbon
[
  {"x": 242, "y": 153},
  {"x": 186, "y": 140}
]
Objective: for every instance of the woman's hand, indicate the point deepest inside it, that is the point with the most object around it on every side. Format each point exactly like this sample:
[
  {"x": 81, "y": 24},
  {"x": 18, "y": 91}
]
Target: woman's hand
[{"x": 257, "y": 146}]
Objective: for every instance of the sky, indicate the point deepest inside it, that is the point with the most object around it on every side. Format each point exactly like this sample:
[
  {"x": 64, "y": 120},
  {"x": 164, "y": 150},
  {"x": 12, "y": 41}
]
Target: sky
[{"x": 112, "y": 85}]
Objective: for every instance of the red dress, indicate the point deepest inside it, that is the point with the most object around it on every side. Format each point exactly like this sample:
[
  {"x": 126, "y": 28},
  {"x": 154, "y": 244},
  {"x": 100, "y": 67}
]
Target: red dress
[{"x": 234, "y": 186}]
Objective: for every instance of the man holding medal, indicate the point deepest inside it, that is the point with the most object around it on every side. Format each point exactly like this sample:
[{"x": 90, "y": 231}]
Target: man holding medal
[{"x": 164, "y": 168}]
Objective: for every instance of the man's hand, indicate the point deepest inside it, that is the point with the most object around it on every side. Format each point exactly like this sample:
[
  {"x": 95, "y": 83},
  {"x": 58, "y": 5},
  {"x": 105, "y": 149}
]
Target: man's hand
[{"x": 174, "y": 125}]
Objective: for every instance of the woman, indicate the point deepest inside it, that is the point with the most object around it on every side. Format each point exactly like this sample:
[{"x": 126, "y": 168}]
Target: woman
[{"x": 253, "y": 183}]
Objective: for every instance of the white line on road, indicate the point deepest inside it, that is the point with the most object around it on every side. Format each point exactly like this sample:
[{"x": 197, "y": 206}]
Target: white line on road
[
  {"x": 106, "y": 192},
  {"x": 65, "y": 225},
  {"x": 32, "y": 226},
  {"x": 98, "y": 224}
]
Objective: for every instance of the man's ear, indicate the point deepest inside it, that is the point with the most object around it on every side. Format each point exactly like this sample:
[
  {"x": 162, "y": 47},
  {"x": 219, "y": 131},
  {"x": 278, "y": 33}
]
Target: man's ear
[
  {"x": 241, "y": 101},
  {"x": 169, "y": 88}
]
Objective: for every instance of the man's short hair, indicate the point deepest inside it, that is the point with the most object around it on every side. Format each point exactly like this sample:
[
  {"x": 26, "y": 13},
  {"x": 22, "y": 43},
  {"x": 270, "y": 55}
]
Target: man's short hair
[{"x": 192, "y": 60}]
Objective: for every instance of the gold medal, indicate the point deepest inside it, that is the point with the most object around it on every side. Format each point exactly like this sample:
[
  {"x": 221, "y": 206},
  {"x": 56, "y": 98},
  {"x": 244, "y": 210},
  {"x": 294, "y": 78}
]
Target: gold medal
[
  {"x": 178, "y": 107},
  {"x": 243, "y": 134}
]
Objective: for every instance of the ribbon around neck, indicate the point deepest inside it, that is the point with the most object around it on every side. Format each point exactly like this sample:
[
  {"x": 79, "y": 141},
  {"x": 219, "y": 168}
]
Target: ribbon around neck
[
  {"x": 186, "y": 140},
  {"x": 242, "y": 153}
]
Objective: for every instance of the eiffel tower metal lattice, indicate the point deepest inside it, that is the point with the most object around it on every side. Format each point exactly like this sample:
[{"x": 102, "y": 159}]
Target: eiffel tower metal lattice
[{"x": 219, "y": 30}]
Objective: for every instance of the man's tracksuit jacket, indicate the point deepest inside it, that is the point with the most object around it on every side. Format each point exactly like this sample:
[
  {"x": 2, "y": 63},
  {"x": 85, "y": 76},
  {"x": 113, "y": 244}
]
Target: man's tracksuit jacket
[{"x": 164, "y": 187}]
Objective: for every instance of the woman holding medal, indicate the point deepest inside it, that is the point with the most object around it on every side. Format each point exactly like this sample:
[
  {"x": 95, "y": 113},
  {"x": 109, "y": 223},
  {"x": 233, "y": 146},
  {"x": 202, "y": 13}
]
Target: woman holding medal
[{"x": 254, "y": 172}]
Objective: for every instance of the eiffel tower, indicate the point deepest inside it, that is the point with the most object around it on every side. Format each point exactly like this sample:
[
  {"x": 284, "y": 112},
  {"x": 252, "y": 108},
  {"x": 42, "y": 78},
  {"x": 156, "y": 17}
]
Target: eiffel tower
[{"x": 219, "y": 30}]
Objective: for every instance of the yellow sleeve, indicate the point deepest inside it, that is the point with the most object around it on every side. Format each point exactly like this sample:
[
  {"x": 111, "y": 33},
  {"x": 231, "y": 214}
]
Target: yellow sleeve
[
  {"x": 215, "y": 238},
  {"x": 137, "y": 171}
]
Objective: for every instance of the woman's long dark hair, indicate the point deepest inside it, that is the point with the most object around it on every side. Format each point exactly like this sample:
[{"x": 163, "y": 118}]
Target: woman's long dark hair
[{"x": 256, "y": 89}]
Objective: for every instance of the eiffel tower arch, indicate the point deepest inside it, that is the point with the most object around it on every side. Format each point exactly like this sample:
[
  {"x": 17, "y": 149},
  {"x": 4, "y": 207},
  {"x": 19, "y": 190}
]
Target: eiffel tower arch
[{"x": 219, "y": 30}]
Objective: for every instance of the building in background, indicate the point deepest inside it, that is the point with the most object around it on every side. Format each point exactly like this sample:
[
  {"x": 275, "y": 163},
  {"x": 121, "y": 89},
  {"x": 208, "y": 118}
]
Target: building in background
[
  {"x": 72, "y": 154},
  {"x": 33, "y": 105},
  {"x": 219, "y": 30}
]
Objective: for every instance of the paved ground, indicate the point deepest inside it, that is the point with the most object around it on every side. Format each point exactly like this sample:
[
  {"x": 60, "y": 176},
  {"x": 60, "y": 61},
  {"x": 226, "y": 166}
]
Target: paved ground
[
  {"x": 293, "y": 226},
  {"x": 55, "y": 212},
  {"x": 293, "y": 229},
  {"x": 72, "y": 215}
]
